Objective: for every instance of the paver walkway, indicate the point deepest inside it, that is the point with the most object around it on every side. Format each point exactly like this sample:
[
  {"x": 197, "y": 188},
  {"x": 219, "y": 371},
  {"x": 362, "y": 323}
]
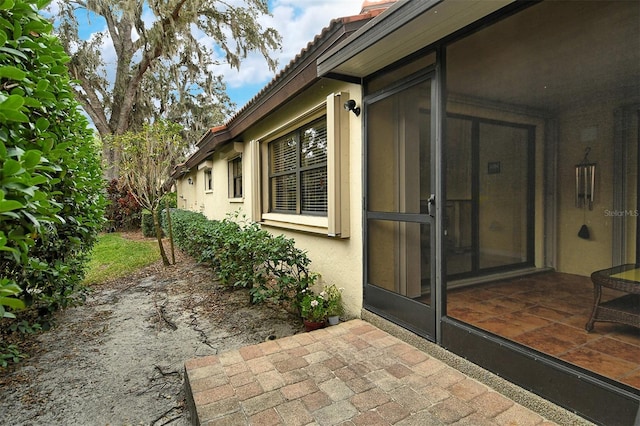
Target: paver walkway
[{"x": 352, "y": 373}]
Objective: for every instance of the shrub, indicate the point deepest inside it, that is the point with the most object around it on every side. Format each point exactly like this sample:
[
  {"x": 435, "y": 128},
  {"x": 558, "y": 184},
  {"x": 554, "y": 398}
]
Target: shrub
[
  {"x": 189, "y": 233},
  {"x": 148, "y": 229},
  {"x": 51, "y": 203},
  {"x": 245, "y": 256},
  {"x": 123, "y": 212},
  {"x": 171, "y": 198}
]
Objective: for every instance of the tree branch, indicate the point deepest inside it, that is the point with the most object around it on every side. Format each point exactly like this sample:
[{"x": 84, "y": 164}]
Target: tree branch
[
  {"x": 150, "y": 56},
  {"x": 92, "y": 104}
]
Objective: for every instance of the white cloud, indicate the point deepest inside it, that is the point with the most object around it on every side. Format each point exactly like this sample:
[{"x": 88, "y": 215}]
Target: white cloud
[{"x": 298, "y": 22}]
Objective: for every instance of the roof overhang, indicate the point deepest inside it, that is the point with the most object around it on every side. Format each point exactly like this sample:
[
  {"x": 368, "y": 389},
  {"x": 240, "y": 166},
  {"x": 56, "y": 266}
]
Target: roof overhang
[
  {"x": 297, "y": 76},
  {"x": 401, "y": 30}
]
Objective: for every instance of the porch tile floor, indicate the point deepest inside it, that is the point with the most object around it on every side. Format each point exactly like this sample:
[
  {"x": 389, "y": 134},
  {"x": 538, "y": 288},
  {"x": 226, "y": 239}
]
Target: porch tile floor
[
  {"x": 349, "y": 374},
  {"x": 548, "y": 312}
]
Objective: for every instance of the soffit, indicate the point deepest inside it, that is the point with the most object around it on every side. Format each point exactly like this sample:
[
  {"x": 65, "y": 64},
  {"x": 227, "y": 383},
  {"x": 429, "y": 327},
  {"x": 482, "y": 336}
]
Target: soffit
[{"x": 400, "y": 31}]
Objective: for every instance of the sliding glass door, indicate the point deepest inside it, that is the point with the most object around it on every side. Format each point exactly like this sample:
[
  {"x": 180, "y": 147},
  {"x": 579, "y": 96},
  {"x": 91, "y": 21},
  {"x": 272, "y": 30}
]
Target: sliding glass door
[{"x": 488, "y": 212}]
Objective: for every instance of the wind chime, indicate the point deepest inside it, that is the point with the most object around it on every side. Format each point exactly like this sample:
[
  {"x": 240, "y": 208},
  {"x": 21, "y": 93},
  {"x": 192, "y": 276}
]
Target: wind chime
[{"x": 585, "y": 189}]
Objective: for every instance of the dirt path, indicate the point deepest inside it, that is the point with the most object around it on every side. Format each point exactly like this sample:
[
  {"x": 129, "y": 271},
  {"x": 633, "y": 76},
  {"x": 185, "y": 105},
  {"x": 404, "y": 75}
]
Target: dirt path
[{"x": 118, "y": 359}]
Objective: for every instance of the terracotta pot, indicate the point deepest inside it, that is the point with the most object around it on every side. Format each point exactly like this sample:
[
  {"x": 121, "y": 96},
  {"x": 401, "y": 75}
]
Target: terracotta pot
[{"x": 313, "y": 325}]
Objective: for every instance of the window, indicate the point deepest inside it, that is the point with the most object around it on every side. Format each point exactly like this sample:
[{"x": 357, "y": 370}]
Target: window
[
  {"x": 208, "y": 180},
  {"x": 235, "y": 178},
  {"x": 304, "y": 170},
  {"x": 298, "y": 171}
]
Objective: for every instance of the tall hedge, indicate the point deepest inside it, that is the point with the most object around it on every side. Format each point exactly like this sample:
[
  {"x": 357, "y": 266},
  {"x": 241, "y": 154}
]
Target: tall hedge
[{"x": 51, "y": 204}]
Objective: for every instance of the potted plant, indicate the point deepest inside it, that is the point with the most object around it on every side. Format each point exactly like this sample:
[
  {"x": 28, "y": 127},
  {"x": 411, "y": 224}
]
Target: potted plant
[
  {"x": 313, "y": 309},
  {"x": 333, "y": 299}
]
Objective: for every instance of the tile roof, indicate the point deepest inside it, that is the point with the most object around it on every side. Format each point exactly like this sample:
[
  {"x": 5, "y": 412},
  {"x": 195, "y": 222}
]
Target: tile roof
[{"x": 219, "y": 135}]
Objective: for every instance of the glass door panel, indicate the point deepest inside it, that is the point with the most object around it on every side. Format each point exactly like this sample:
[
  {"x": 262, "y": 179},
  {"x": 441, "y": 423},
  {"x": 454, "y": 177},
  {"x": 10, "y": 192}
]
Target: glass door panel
[
  {"x": 503, "y": 195},
  {"x": 400, "y": 260},
  {"x": 459, "y": 238},
  {"x": 488, "y": 220}
]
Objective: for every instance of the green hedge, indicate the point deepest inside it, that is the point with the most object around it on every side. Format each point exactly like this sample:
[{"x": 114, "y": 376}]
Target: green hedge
[
  {"x": 245, "y": 256},
  {"x": 51, "y": 202}
]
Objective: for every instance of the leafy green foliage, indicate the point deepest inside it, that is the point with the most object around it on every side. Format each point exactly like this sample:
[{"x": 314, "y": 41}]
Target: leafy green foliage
[
  {"x": 25, "y": 327},
  {"x": 313, "y": 306},
  {"x": 51, "y": 203},
  {"x": 245, "y": 256},
  {"x": 10, "y": 353},
  {"x": 8, "y": 289},
  {"x": 147, "y": 159},
  {"x": 123, "y": 211},
  {"x": 333, "y": 298},
  {"x": 147, "y": 224}
]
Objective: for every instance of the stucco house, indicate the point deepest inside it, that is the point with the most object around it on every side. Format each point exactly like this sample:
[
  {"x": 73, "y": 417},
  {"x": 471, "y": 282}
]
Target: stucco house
[{"x": 461, "y": 168}]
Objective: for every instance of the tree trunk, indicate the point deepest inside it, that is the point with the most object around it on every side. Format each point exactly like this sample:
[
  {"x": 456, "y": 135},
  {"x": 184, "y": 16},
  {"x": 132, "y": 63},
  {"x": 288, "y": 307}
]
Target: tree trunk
[
  {"x": 110, "y": 161},
  {"x": 170, "y": 230},
  {"x": 156, "y": 225}
]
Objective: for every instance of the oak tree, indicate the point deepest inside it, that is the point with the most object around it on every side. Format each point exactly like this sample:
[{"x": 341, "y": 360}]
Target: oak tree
[{"x": 165, "y": 51}]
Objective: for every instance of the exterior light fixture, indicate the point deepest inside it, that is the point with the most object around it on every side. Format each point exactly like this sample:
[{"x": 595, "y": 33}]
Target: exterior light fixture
[{"x": 350, "y": 105}]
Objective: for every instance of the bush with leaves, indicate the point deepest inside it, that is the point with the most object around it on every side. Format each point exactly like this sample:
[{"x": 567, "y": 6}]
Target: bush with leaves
[
  {"x": 189, "y": 232},
  {"x": 246, "y": 256},
  {"x": 146, "y": 224},
  {"x": 123, "y": 212},
  {"x": 51, "y": 202}
]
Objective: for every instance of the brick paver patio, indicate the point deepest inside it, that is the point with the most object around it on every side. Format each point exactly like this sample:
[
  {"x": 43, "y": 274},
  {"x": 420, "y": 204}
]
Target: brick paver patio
[{"x": 352, "y": 374}]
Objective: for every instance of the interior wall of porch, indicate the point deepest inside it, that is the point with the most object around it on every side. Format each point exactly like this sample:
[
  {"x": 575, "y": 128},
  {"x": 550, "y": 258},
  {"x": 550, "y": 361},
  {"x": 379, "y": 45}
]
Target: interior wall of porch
[{"x": 587, "y": 126}]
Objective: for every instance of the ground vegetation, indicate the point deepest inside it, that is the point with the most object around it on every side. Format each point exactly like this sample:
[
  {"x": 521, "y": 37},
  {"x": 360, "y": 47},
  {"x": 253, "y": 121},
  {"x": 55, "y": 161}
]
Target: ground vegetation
[{"x": 245, "y": 256}]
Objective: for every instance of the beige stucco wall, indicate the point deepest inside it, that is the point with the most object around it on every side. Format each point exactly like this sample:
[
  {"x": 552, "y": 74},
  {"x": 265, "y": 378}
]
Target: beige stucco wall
[
  {"x": 190, "y": 195},
  {"x": 590, "y": 125},
  {"x": 337, "y": 260}
]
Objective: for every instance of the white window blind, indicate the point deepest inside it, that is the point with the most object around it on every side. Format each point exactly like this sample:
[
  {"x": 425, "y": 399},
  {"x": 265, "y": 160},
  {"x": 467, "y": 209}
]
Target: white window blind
[{"x": 298, "y": 171}]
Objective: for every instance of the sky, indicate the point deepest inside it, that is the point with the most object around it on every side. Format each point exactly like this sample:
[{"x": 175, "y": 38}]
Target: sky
[{"x": 297, "y": 21}]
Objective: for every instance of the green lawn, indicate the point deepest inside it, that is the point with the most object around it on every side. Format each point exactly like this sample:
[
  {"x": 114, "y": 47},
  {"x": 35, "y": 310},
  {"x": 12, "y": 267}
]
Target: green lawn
[{"x": 114, "y": 256}]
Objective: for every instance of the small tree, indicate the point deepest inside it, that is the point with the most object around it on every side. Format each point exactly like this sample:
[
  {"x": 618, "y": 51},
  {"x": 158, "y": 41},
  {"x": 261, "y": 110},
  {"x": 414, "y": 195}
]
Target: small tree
[{"x": 148, "y": 157}]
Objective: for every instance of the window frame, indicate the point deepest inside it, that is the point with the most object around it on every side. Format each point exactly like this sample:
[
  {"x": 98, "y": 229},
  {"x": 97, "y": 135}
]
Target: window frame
[
  {"x": 337, "y": 223},
  {"x": 208, "y": 180},
  {"x": 235, "y": 165}
]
